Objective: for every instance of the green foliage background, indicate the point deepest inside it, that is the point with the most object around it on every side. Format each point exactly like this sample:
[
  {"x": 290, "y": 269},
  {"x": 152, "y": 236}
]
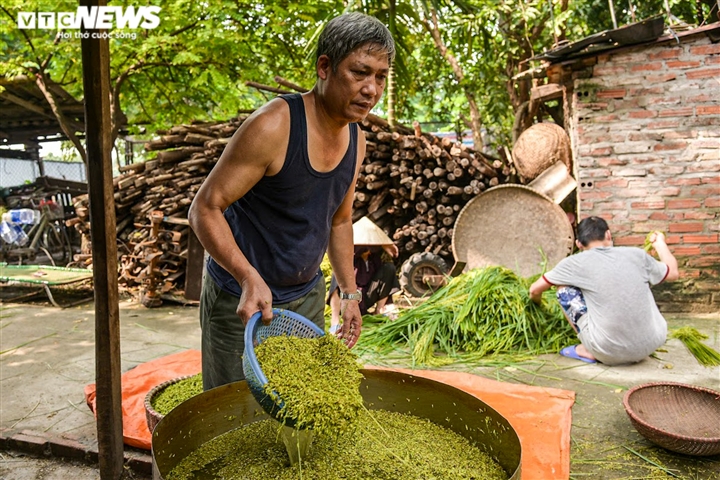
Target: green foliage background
[{"x": 194, "y": 65}]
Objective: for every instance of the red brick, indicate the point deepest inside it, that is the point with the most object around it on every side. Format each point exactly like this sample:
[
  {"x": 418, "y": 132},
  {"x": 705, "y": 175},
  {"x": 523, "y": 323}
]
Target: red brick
[
  {"x": 704, "y": 73},
  {"x": 691, "y": 215},
  {"x": 655, "y": 205},
  {"x": 646, "y": 67},
  {"x": 609, "y": 70},
  {"x": 712, "y": 202},
  {"x": 605, "y": 119},
  {"x": 619, "y": 182},
  {"x": 601, "y": 152},
  {"x": 594, "y": 195},
  {"x": 683, "y": 203},
  {"x": 706, "y": 191},
  {"x": 669, "y": 192},
  {"x": 705, "y": 49},
  {"x": 664, "y": 77},
  {"x": 139, "y": 462},
  {"x": 708, "y": 109},
  {"x": 711, "y": 238},
  {"x": 673, "y": 239},
  {"x": 630, "y": 240},
  {"x": 710, "y": 249},
  {"x": 689, "y": 273},
  {"x": 664, "y": 54},
  {"x": 701, "y": 97},
  {"x": 642, "y": 114},
  {"x": 683, "y": 181},
  {"x": 663, "y": 124},
  {"x": 29, "y": 442},
  {"x": 611, "y": 161},
  {"x": 704, "y": 261},
  {"x": 677, "y": 112},
  {"x": 67, "y": 448},
  {"x": 673, "y": 64},
  {"x": 686, "y": 251},
  {"x": 670, "y": 146},
  {"x": 660, "y": 216},
  {"x": 685, "y": 227},
  {"x": 616, "y": 93}
]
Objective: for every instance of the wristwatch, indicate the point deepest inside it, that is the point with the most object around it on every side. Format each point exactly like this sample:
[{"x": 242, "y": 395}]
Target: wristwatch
[{"x": 351, "y": 296}]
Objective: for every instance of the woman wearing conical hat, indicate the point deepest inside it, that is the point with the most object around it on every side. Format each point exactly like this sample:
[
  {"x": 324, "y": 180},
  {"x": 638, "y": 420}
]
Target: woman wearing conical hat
[{"x": 375, "y": 274}]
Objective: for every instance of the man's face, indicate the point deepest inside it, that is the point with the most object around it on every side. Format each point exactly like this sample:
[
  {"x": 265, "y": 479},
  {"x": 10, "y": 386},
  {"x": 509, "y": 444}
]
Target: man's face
[{"x": 357, "y": 85}]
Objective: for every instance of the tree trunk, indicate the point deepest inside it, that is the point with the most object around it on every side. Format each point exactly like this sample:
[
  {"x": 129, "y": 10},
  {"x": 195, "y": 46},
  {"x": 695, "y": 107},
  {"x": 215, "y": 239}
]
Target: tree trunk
[
  {"x": 65, "y": 125},
  {"x": 476, "y": 123}
]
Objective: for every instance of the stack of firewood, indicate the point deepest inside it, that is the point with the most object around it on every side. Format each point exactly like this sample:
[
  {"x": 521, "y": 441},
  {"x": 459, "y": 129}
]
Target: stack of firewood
[
  {"x": 412, "y": 185},
  {"x": 165, "y": 186}
]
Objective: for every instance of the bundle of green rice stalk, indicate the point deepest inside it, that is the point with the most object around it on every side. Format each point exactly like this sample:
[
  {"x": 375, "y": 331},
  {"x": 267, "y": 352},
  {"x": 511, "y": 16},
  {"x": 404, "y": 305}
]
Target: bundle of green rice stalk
[
  {"x": 704, "y": 354},
  {"x": 481, "y": 314}
]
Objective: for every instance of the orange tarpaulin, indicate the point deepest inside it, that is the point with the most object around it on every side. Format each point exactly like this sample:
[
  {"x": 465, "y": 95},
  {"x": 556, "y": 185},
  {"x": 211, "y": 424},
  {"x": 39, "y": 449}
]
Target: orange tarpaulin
[
  {"x": 541, "y": 416},
  {"x": 137, "y": 382}
]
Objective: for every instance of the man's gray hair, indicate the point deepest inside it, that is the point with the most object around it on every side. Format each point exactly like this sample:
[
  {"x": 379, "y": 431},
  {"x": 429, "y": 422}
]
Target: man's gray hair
[{"x": 349, "y": 31}]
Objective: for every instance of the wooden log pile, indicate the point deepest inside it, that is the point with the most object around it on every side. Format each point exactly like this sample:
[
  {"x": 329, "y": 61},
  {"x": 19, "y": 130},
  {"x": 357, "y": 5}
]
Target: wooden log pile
[
  {"x": 412, "y": 185},
  {"x": 164, "y": 186}
]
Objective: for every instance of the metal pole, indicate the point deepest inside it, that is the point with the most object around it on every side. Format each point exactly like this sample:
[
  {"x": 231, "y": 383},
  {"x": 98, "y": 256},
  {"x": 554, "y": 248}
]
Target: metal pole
[{"x": 98, "y": 130}]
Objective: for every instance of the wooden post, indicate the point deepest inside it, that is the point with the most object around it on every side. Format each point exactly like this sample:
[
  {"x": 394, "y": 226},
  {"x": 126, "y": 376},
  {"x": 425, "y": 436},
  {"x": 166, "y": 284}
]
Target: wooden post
[
  {"x": 98, "y": 128},
  {"x": 33, "y": 149}
]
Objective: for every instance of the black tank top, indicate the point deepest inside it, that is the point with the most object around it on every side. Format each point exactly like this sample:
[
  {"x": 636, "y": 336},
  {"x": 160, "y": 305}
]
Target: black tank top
[{"x": 282, "y": 224}]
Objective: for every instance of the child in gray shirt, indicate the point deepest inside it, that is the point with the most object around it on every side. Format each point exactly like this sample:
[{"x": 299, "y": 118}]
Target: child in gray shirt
[{"x": 605, "y": 293}]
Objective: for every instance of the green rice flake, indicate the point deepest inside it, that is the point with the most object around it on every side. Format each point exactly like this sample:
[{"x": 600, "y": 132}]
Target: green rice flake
[
  {"x": 317, "y": 380},
  {"x": 176, "y": 393},
  {"x": 384, "y": 445}
]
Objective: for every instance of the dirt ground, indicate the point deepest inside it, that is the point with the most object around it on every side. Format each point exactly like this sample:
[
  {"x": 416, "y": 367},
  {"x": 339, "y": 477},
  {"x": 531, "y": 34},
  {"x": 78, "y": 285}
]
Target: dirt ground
[{"x": 47, "y": 357}]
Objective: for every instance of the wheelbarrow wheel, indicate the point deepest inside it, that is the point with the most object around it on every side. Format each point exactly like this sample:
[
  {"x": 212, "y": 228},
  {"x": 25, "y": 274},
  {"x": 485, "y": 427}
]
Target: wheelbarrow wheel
[{"x": 415, "y": 271}]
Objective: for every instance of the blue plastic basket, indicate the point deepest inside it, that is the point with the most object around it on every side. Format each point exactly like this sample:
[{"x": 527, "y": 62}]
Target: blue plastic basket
[{"x": 284, "y": 322}]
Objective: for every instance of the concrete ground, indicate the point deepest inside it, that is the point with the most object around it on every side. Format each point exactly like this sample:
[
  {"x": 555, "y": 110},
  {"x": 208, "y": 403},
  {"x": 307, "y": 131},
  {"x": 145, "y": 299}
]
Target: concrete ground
[{"x": 48, "y": 432}]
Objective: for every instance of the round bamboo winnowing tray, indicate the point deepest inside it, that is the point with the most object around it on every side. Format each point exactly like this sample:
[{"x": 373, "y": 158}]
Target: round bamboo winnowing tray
[
  {"x": 679, "y": 417},
  {"x": 540, "y": 147},
  {"x": 513, "y": 226}
]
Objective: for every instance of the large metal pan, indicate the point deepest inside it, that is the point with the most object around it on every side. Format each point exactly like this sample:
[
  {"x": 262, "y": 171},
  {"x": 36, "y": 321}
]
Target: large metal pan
[{"x": 217, "y": 411}]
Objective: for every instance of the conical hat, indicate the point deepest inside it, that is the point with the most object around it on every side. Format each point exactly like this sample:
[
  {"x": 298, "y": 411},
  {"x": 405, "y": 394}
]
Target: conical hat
[{"x": 365, "y": 232}]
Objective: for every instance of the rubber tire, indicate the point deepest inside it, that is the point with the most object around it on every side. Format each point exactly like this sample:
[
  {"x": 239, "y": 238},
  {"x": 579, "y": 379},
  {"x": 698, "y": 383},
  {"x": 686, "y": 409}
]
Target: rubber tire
[
  {"x": 55, "y": 240},
  {"x": 415, "y": 267}
]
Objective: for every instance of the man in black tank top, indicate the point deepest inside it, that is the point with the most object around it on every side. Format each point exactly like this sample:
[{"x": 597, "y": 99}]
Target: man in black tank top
[{"x": 281, "y": 196}]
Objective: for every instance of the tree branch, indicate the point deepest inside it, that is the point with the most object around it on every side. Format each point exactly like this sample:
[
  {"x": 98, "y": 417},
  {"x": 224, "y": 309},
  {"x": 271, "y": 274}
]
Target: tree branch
[
  {"x": 64, "y": 124},
  {"x": 432, "y": 28}
]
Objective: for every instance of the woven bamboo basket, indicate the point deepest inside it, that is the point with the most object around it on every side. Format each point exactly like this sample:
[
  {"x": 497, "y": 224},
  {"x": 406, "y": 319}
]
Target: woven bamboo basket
[
  {"x": 151, "y": 416},
  {"x": 679, "y": 417},
  {"x": 539, "y": 148}
]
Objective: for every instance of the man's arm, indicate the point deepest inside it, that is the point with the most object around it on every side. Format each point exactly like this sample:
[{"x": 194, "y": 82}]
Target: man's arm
[
  {"x": 256, "y": 149},
  {"x": 657, "y": 239},
  {"x": 537, "y": 289},
  {"x": 340, "y": 254}
]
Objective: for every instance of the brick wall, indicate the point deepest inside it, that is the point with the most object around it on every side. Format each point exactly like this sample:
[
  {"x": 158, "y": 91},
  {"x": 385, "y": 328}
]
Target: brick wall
[{"x": 645, "y": 129}]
